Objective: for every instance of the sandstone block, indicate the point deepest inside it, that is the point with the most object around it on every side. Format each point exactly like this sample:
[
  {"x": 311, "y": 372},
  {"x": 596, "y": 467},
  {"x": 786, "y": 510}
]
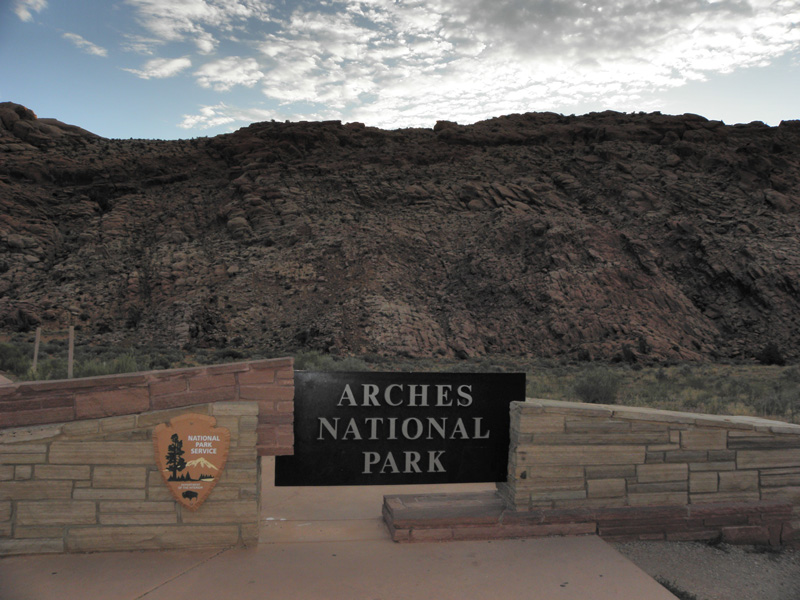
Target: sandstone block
[
  {"x": 150, "y": 537},
  {"x": 101, "y": 453},
  {"x": 126, "y": 507},
  {"x": 76, "y": 472},
  {"x": 257, "y": 377},
  {"x": 558, "y": 495},
  {"x": 151, "y": 419},
  {"x": 704, "y": 439},
  {"x": 119, "y": 477},
  {"x": 661, "y": 472},
  {"x": 147, "y": 518},
  {"x": 239, "y": 476},
  {"x": 611, "y": 472},
  {"x": 6, "y": 472},
  {"x": 234, "y": 409},
  {"x": 663, "y": 486},
  {"x": 573, "y": 425},
  {"x": 25, "y": 533},
  {"x": 35, "y": 490},
  {"x": 548, "y": 472},
  {"x": 789, "y": 493},
  {"x": 81, "y": 428},
  {"x": 192, "y": 398},
  {"x": 249, "y": 533},
  {"x": 713, "y": 466},
  {"x": 22, "y": 472},
  {"x": 10, "y": 547},
  {"x": 222, "y": 512},
  {"x": 757, "y": 459},
  {"x": 605, "y": 488},
  {"x": 206, "y": 382},
  {"x": 541, "y": 423},
  {"x": 29, "y": 434},
  {"x": 108, "y": 494},
  {"x": 5, "y": 510},
  {"x": 747, "y": 534},
  {"x": 736, "y": 481},
  {"x": 725, "y": 497},
  {"x": 704, "y": 481},
  {"x": 769, "y": 478},
  {"x": 30, "y": 514},
  {"x": 168, "y": 386},
  {"x": 20, "y": 458},
  {"x": 94, "y": 404},
  {"x": 685, "y": 456},
  {"x": 580, "y": 455},
  {"x": 549, "y": 485},
  {"x": 661, "y": 498},
  {"x": 115, "y": 424}
]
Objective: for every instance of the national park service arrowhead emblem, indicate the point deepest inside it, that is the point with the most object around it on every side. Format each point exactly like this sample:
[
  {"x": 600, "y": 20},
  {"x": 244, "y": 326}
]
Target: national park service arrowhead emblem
[{"x": 191, "y": 453}]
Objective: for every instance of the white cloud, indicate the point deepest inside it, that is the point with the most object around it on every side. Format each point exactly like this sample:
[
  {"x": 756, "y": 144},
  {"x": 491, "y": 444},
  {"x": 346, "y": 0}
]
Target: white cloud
[
  {"x": 85, "y": 44},
  {"x": 222, "y": 114},
  {"x": 23, "y": 8},
  {"x": 225, "y": 73},
  {"x": 178, "y": 20},
  {"x": 160, "y": 68},
  {"x": 409, "y": 63}
]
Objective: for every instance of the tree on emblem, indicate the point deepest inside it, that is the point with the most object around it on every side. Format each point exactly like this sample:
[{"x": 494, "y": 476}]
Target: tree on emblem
[{"x": 175, "y": 461}]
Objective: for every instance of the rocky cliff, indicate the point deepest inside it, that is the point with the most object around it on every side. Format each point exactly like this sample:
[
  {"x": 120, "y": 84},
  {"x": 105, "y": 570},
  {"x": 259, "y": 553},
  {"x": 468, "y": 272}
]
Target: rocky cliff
[{"x": 609, "y": 235}]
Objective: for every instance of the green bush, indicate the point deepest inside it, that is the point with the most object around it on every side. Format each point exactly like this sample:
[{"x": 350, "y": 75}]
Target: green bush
[
  {"x": 13, "y": 359},
  {"x": 597, "y": 386}
]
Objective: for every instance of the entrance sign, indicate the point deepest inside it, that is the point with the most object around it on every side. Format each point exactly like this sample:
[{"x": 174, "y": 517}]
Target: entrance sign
[
  {"x": 400, "y": 428},
  {"x": 191, "y": 453}
]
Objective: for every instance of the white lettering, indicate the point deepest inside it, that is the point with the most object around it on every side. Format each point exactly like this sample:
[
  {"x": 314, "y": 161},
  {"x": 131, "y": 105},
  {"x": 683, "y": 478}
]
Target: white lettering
[
  {"x": 434, "y": 466},
  {"x": 347, "y": 393},
  {"x": 412, "y": 460},
  {"x": 405, "y": 427},
  {"x": 478, "y": 435},
  {"x": 460, "y": 430},
  {"x": 421, "y": 395},
  {"x": 351, "y": 430},
  {"x": 464, "y": 395},
  {"x": 370, "y": 459},
  {"x": 370, "y": 395},
  {"x": 442, "y": 395},
  {"x": 387, "y": 395},
  {"x": 332, "y": 429}
]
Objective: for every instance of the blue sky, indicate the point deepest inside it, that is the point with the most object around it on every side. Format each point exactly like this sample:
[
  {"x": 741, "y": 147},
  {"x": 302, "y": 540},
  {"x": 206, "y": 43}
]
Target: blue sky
[{"x": 188, "y": 68}]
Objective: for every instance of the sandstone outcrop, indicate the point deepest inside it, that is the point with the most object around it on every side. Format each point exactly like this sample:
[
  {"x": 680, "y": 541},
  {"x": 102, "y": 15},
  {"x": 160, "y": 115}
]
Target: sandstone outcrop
[{"x": 609, "y": 235}]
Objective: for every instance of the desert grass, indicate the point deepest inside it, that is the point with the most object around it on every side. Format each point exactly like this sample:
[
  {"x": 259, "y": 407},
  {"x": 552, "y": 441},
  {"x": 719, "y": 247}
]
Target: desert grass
[{"x": 747, "y": 389}]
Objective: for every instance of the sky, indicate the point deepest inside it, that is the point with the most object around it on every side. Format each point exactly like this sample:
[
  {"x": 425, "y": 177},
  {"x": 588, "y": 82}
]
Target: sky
[{"x": 168, "y": 69}]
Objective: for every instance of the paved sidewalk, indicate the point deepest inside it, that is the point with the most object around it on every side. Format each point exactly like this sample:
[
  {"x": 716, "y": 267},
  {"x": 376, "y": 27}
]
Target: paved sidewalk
[
  {"x": 541, "y": 569},
  {"x": 331, "y": 544}
]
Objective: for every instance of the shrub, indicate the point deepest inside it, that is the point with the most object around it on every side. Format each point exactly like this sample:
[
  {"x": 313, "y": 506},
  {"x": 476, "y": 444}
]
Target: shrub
[
  {"x": 771, "y": 355},
  {"x": 13, "y": 359},
  {"x": 597, "y": 386}
]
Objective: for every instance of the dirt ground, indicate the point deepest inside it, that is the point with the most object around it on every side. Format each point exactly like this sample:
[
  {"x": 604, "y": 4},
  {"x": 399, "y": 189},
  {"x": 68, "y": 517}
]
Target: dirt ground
[{"x": 693, "y": 570}]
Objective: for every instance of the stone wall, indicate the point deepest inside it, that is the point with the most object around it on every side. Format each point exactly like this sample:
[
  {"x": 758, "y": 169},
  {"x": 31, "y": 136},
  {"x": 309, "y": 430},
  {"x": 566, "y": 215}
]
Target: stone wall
[
  {"x": 77, "y": 462},
  {"x": 93, "y": 485},
  {"x": 269, "y": 383},
  {"x": 738, "y": 477}
]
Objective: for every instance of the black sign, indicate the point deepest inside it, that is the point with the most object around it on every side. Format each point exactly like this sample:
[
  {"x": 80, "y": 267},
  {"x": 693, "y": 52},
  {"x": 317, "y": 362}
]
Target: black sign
[{"x": 398, "y": 428}]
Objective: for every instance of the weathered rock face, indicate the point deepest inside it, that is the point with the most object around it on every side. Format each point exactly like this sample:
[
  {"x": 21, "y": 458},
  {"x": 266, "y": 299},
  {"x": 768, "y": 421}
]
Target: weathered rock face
[{"x": 648, "y": 236}]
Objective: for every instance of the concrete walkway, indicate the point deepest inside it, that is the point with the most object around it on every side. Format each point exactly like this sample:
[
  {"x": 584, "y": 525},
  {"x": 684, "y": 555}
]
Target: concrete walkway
[{"x": 329, "y": 543}]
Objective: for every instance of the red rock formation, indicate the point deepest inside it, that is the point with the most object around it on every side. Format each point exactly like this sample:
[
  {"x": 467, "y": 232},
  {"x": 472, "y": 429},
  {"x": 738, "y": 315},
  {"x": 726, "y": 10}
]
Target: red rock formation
[{"x": 640, "y": 236}]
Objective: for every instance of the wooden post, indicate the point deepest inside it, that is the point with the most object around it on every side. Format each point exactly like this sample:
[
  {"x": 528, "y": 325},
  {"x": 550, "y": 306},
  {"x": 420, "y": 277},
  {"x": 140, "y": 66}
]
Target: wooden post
[
  {"x": 36, "y": 348},
  {"x": 71, "y": 355}
]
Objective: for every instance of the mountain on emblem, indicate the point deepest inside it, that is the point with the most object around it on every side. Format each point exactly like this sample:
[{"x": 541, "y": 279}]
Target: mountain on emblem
[{"x": 191, "y": 454}]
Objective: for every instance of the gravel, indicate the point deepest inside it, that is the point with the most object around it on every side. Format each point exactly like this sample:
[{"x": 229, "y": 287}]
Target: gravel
[{"x": 719, "y": 571}]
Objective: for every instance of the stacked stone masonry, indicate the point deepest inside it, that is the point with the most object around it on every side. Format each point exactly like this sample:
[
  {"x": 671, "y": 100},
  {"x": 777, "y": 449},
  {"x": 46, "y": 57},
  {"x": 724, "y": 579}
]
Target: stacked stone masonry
[
  {"x": 93, "y": 485},
  {"x": 735, "y": 477},
  {"x": 269, "y": 383}
]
